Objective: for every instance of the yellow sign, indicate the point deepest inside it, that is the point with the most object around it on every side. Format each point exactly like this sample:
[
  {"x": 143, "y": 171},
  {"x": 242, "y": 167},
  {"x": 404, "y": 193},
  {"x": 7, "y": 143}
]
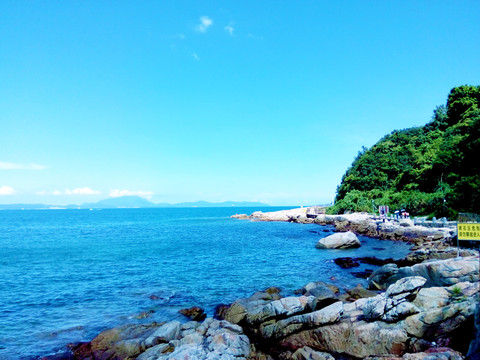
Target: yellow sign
[{"x": 468, "y": 231}]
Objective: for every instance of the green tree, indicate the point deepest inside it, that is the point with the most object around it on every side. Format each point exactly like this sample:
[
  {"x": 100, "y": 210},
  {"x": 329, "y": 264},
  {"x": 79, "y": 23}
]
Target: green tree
[{"x": 433, "y": 169}]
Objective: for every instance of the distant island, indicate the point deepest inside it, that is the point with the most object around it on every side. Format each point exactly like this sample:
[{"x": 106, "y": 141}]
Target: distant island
[{"x": 131, "y": 202}]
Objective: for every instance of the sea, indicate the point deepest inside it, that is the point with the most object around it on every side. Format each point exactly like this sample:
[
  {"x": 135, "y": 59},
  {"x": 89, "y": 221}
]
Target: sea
[{"x": 66, "y": 275}]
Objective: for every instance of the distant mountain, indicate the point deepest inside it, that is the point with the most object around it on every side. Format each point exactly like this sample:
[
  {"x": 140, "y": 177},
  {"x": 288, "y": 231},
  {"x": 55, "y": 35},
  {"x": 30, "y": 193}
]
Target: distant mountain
[
  {"x": 131, "y": 202},
  {"x": 24, "y": 206},
  {"x": 139, "y": 202},
  {"x": 221, "y": 204},
  {"x": 121, "y": 202}
]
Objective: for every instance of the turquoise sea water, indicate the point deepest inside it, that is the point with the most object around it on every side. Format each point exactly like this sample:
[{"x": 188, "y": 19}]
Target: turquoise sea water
[{"x": 65, "y": 275}]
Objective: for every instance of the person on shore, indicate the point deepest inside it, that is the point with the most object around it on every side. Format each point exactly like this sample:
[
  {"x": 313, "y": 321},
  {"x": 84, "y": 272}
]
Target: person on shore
[{"x": 382, "y": 215}]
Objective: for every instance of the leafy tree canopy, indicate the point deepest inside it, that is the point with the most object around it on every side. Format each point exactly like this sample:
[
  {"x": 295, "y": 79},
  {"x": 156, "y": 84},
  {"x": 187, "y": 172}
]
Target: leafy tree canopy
[{"x": 430, "y": 170}]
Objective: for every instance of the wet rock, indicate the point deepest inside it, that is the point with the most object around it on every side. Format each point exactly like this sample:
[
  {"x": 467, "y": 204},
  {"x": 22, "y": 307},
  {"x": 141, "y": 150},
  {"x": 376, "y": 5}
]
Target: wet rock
[
  {"x": 373, "y": 260},
  {"x": 59, "y": 356},
  {"x": 220, "y": 311},
  {"x": 144, "y": 314},
  {"x": 82, "y": 351},
  {"x": 339, "y": 241},
  {"x": 360, "y": 292},
  {"x": 195, "y": 313},
  {"x": 381, "y": 277},
  {"x": 123, "y": 342},
  {"x": 324, "y": 294},
  {"x": 310, "y": 288},
  {"x": 365, "y": 274},
  {"x": 346, "y": 262},
  {"x": 271, "y": 293}
]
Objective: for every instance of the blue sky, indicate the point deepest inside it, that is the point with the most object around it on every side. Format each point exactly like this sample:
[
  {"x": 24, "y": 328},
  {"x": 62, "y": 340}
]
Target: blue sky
[{"x": 220, "y": 100}]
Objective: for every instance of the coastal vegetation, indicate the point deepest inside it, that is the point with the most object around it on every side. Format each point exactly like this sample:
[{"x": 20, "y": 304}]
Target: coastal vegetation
[{"x": 428, "y": 170}]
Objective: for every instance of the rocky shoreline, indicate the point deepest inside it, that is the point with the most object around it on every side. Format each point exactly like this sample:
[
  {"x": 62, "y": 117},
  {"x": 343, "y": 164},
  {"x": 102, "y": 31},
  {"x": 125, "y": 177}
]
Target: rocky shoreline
[
  {"x": 421, "y": 307},
  {"x": 362, "y": 224}
]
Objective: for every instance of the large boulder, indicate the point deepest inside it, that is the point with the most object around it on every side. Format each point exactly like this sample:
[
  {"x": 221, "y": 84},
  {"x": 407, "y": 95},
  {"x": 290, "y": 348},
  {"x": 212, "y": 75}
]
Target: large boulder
[
  {"x": 317, "y": 286},
  {"x": 282, "y": 328},
  {"x": 381, "y": 278},
  {"x": 359, "y": 292},
  {"x": 395, "y": 304},
  {"x": 359, "y": 339},
  {"x": 339, "y": 241},
  {"x": 253, "y": 313},
  {"x": 324, "y": 293},
  {"x": 438, "y": 272},
  {"x": 212, "y": 340},
  {"x": 237, "y": 311},
  {"x": 128, "y": 341},
  {"x": 436, "y": 322}
]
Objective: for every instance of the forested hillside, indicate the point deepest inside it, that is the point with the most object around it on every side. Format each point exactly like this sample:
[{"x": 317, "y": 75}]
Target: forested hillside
[{"x": 430, "y": 170}]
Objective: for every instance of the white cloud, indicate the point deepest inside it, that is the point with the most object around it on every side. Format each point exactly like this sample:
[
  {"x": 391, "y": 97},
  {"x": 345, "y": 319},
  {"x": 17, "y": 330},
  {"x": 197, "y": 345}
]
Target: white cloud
[
  {"x": 13, "y": 166},
  {"x": 82, "y": 191},
  {"x": 195, "y": 56},
  {"x": 229, "y": 30},
  {"x": 205, "y": 23},
  {"x": 6, "y": 190},
  {"x": 77, "y": 191},
  {"x": 41, "y": 193},
  {"x": 118, "y": 193}
]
